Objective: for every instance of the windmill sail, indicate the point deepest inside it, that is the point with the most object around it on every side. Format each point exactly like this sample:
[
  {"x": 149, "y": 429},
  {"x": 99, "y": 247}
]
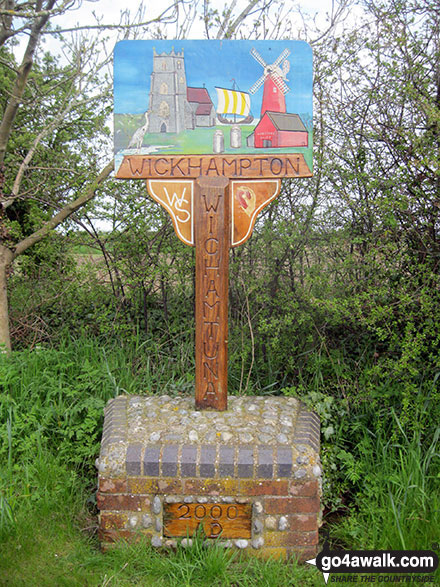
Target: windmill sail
[
  {"x": 233, "y": 102},
  {"x": 273, "y": 78}
]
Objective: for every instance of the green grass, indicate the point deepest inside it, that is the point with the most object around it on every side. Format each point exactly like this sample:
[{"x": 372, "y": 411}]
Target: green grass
[
  {"x": 51, "y": 406},
  {"x": 399, "y": 505},
  {"x": 52, "y": 541}
]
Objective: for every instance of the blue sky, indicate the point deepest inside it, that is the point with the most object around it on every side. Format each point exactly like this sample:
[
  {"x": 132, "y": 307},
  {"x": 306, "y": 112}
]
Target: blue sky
[{"x": 211, "y": 63}]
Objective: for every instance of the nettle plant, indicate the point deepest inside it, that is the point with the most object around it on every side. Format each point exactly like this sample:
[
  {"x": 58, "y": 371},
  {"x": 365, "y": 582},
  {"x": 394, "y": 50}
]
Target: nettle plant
[{"x": 340, "y": 467}]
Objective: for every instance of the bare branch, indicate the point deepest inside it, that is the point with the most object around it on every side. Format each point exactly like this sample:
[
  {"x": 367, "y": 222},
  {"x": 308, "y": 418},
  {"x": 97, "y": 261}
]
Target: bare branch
[
  {"x": 20, "y": 83},
  {"x": 226, "y": 20},
  {"x": 164, "y": 17},
  {"x": 242, "y": 16},
  {"x": 63, "y": 214},
  {"x": 9, "y": 12}
]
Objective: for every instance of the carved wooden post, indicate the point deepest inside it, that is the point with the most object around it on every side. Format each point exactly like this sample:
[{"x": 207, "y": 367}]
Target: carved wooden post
[
  {"x": 213, "y": 169},
  {"x": 212, "y": 236}
]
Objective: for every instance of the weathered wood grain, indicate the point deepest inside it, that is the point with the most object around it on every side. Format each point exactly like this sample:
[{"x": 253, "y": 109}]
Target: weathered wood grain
[
  {"x": 263, "y": 166},
  {"x": 248, "y": 198},
  {"x": 212, "y": 241},
  {"x": 217, "y": 519}
]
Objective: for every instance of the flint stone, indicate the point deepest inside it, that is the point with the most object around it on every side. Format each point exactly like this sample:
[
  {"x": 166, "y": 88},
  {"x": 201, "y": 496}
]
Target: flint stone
[
  {"x": 156, "y": 508},
  {"x": 147, "y": 522},
  {"x": 270, "y": 523},
  {"x": 300, "y": 473},
  {"x": 258, "y": 507}
]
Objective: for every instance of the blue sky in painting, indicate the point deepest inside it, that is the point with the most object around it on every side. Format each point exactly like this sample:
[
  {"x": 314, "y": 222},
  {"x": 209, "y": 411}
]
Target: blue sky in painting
[{"x": 210, "y": 64}]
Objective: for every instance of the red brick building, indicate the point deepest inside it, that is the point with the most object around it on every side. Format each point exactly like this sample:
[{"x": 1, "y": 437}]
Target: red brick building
[{"x": 278, "y": 129}]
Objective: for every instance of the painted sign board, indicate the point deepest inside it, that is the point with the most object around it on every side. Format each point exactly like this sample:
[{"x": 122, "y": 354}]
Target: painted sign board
[
  {"x": 238, "y": 109},
  {"x": 213, "y": 127}
]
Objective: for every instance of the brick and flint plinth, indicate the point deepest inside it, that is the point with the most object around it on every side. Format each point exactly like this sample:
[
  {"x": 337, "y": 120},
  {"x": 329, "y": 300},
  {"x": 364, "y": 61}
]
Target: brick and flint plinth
[{"x": 249, "y": 475}]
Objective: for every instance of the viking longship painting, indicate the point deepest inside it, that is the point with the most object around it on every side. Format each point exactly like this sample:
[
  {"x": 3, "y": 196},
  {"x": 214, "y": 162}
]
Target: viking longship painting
[
  {"x": 233, "y": 106},
  {"x": 213, "y": 97}
]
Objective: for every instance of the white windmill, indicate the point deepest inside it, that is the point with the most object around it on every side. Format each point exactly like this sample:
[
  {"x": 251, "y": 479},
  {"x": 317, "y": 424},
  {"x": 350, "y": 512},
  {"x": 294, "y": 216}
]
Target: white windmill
[
  {"x": 274, "y": 78},
  {"x": 138, "y": 135}
]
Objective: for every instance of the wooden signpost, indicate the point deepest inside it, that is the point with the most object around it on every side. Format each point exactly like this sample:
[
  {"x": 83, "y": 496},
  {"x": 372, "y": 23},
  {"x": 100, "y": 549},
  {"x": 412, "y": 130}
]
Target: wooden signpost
[{"x": 213, "y": 169}]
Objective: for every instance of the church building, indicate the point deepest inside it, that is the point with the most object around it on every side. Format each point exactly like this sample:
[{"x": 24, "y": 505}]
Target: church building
[{"x": 173, "y": 106}]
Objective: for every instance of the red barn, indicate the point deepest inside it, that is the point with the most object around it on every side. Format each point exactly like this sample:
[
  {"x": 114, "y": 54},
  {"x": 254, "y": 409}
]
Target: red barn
[{"x": 277, "y": 129}]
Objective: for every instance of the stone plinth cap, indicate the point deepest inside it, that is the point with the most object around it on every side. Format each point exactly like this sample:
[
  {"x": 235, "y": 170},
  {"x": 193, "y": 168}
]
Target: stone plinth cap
[{"x": 257, "y": 437}]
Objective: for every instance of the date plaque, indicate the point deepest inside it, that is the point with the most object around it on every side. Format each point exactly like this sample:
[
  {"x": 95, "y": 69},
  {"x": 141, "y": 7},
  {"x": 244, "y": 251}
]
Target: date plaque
[{"x": 228, "y": 520}]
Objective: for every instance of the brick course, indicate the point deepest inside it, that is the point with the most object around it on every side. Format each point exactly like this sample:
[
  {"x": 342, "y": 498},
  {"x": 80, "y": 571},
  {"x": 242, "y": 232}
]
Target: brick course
[
  {"x": 292, "y": 538},
  {"x": 122, "y": 502},
  {"x": 262, "y": 487},
  {"x": 291, "y": 505},
  {"x": 307, "y": 489},
  {"x": 302, "y": 522},
  {"x": 112, "y": 485},
  {"x": 145, "y": 485}
]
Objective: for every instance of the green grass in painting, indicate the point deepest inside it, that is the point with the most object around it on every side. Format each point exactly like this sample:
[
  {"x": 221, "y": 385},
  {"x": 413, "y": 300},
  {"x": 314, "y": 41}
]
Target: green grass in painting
[{"x": 197, "y": 141}]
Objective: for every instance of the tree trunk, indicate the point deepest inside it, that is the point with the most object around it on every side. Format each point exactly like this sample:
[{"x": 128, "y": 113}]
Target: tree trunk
[
  {"x": 16, "y": 95},
  {"x": 5, "y": 261}
]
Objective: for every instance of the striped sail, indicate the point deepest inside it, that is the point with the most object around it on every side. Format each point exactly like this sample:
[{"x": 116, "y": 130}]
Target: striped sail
[{"x": 233, "y": 102}]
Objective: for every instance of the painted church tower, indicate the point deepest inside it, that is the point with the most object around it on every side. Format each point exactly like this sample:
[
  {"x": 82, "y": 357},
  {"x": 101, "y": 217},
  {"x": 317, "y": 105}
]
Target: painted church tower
[{"x": 169, "y": 108}]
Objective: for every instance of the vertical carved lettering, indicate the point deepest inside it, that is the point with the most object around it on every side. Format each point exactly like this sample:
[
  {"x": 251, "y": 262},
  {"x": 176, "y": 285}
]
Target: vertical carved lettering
[
  {"x": 210, "y": 353},
  {"x": 211, "y": 245},
  {"x": 210, "y": 370},
  {"x": 209, "y": 393},
  {"x": 211, "y": 201},
  {"x": 212, "y": 252},
  {"x": 212, "y": 289},
  {"x": 211, "y": 265},
  {"x": 211, "y": 310}
]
